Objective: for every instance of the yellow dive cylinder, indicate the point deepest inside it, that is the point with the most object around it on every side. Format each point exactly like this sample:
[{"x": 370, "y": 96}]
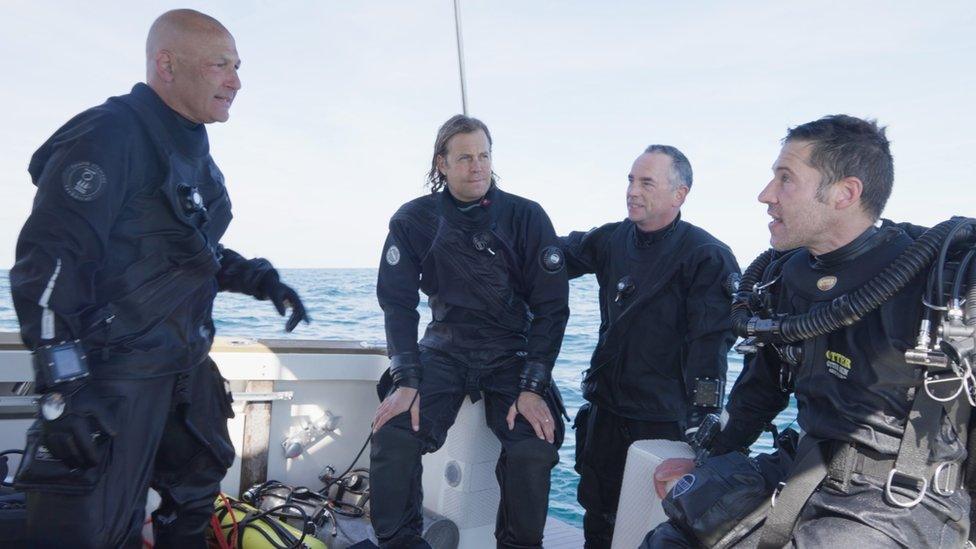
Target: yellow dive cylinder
[{"x": 254, "y": 531}]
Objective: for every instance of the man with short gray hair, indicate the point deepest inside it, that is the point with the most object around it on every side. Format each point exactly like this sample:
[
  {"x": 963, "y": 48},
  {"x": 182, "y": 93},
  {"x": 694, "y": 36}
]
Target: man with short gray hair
[{"x": 660, "y": 363}]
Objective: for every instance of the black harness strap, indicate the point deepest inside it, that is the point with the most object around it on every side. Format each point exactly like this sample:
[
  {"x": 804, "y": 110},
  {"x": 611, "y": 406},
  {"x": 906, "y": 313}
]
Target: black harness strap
[
  {"x": 913, "y": 471},
  {"x": 809, "y": 471}
]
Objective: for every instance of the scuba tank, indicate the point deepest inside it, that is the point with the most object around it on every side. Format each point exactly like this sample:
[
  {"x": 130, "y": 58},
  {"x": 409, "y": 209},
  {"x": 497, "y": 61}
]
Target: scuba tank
[{"x": 235, "y": 524}]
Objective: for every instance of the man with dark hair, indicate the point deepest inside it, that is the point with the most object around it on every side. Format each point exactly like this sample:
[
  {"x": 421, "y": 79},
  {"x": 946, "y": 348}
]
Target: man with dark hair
[
  {"x": 659, "y": 365},
  {"x": 490, "y": 263},
  {"x": 117, "y": 269},
  {"x": 880, "y": 462}
]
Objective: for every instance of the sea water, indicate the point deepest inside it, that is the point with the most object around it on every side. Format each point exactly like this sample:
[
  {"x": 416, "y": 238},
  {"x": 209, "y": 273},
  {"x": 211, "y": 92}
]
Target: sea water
[{"x": 342, "y": 305}]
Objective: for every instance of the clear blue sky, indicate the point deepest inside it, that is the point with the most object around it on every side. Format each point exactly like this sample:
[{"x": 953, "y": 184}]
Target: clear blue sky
[{"x": 334, "y": 126}]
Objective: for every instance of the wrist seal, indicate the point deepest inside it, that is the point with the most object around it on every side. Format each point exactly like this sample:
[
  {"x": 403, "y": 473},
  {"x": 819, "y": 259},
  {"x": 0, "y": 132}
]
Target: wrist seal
[
  {"x": 405, "y": 370},
  {"x": 534, "y": 378},
  {"x": 59, "y": 363}
]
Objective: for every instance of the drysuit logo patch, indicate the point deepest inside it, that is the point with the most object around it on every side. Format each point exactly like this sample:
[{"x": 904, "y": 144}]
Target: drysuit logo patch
[
  {"x": 392, "y": 255},
  {"x": 826, "y": 283},
  {"x": 684, "y": 484},
  {"x": 84, "y": 181},
  {"x": 838, "y": 364},
  {"x": 552, "y": 259}
]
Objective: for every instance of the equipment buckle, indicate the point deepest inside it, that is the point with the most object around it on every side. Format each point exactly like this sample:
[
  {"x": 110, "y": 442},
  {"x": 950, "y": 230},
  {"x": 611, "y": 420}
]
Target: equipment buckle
[
  {"x": 776, "y": 491},
  {"x": 946, "y": 487},
  {"x": 930, "y": 380},
  {"x": 890, "y": 496}
]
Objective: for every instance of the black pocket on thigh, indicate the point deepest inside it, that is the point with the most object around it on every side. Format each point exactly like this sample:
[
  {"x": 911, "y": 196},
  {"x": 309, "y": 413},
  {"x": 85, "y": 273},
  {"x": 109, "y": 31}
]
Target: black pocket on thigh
[
  {"x": 224, "y": 396},
  {"x": 41, "y": 472},
  {"x": 207, "y": 417},
  {"x": 580, "y": 424}
]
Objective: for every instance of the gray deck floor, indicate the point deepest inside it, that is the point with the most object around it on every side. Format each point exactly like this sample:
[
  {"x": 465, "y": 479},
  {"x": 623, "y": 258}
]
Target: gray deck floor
[{"x": 560, "y": 535}]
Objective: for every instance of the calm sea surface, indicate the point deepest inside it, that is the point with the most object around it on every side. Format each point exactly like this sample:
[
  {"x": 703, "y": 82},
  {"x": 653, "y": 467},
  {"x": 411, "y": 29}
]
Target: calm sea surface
[{"x": 342, "y": 304}]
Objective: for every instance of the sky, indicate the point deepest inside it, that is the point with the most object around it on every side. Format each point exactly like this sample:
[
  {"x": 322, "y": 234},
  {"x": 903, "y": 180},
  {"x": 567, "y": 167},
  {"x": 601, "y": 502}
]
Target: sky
[{"x": 334, "y": 127}]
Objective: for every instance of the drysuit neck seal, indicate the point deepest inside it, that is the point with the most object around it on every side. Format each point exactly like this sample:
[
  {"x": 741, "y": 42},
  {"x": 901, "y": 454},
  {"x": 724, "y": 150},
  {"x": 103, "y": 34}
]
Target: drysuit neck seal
[
  {"x": 645, "y": 239},
  {"x": 848, "y": 252}
]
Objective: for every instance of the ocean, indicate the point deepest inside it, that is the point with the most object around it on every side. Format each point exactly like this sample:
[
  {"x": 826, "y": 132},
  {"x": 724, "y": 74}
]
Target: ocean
[{"x": 342, "y": 305}]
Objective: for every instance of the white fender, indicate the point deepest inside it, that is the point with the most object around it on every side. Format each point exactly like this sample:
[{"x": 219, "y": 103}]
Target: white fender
[{"x": 639, "y": 509}]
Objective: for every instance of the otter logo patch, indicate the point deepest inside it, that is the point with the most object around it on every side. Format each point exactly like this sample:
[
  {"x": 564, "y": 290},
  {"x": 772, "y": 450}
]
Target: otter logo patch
[
  {"x": 826, "y": 283},
  {"x": 392, "y": 255},
  {"x": 84, "y": 181},
  {"x": 838, "y": 364},
  {"x": 552, "y": 259},
  {"x": 684, "y": 484}
]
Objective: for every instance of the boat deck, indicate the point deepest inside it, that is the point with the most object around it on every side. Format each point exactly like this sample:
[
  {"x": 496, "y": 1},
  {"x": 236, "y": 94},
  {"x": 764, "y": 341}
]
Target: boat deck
[{"x": 560, "y": 535}]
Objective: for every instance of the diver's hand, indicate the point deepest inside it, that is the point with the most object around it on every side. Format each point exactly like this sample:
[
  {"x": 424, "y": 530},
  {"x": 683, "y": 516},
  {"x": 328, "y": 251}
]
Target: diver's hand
[
  {"x": 284, "y": 297},
  {"x": 399, "y": 401},
  {"x": 668, "y": 470},
  {"x": 535, "y": 410}
]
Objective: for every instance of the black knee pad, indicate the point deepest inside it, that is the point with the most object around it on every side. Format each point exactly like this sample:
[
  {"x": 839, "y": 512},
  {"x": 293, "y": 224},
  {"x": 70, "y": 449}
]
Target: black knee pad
[{"x": 532, "y": 453}]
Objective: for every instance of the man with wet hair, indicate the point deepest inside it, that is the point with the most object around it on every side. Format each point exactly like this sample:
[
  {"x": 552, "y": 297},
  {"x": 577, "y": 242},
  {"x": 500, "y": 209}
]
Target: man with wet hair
[
  {"x": 116, "y": 272},
  {"x": 660, "y": 362},
  {"x": 490, "y": 264},
  {"x": 880, "y": 463}
]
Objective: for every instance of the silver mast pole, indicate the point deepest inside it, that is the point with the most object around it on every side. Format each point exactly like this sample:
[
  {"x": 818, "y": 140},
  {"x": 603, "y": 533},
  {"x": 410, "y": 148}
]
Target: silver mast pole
[{"x": 460, "y": 52}]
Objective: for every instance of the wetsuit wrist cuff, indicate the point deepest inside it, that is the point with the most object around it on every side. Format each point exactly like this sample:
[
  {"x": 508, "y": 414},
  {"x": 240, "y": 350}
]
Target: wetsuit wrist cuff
[
  {"x": 405, "y": 370},
  {"x": 729, "y": 440},
  {"x": 534, "y": 378}
]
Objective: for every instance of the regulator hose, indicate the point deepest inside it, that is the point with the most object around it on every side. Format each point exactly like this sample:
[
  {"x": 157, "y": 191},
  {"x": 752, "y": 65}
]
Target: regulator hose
[
  {"x": 852, "y": 307},
  {"x": 743, "y": 287}
]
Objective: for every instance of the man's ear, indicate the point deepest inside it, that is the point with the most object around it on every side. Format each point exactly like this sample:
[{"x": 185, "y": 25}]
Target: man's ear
[
  {"x": 680, "y": 194},
  {"x": 163, "y": 64},
  {"x": 441, "y": 164},
  {"x": 846, "y": 192}
]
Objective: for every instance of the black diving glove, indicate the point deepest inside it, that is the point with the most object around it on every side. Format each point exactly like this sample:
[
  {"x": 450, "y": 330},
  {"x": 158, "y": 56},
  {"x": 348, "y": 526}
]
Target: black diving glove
[
  {"x": 73, "y": 420},
  {"x": 283, "y": 297}
]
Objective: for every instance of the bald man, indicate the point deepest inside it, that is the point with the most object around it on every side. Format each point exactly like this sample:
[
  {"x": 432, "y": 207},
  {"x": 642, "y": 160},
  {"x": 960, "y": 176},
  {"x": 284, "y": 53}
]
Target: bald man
[{"x": 117, "y": 269}]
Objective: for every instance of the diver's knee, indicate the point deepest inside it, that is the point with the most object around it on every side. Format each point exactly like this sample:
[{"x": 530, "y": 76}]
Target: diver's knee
[
  {"x": 532, "y": 452},
  {"x": 393, "y": 442}
]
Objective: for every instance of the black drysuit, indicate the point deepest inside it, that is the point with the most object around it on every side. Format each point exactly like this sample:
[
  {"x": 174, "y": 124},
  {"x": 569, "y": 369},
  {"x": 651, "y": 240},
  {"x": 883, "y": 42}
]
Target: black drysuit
[
  {"x": 659, "y": 334},
  {"x": 497, "y": 288},
  {"x": 854, "y": 390},
  {"x": 121, "y": 251}
]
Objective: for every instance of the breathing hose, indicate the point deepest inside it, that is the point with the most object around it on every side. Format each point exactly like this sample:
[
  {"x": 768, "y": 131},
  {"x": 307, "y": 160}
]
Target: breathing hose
[{"x": 853, "y": 306}]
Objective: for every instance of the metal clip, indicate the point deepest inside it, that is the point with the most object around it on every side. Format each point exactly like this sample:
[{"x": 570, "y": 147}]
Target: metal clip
[
  {"x": 929, "y": 381},
  {"x": 890, "y": 496},
  {"x": 776, "y": 491},
  {"x": 947, "y": 487}
]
